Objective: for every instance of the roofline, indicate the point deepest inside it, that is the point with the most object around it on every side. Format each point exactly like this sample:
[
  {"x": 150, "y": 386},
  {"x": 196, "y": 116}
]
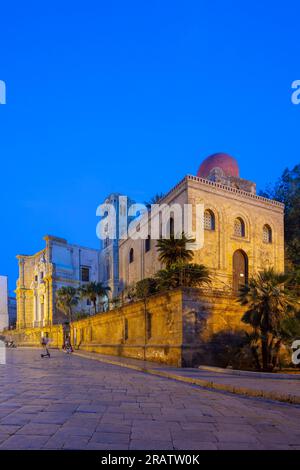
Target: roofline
[
  {"x": 229, "y": 189},
  {"x": 240, "y": 192},
  {"x": 60, "y": 241},
  {"x": 63, "y": 241},
  {"x": 31, "y": 256}
]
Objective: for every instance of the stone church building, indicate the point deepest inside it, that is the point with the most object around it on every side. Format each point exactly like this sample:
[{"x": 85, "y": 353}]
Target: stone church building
[
  {"x": 42, "y": 274},
  {"x": 243, "y": 232}
]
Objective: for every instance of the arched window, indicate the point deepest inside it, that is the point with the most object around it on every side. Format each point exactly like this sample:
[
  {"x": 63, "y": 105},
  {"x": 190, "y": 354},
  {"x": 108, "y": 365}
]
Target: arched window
[
  {"x": 209, "y": 220},
  {"x": 131, "y": 255},
  {"x": 148, "y": 244},
  {"x": 267, "y": 234},
  {"x": 239, "y": 227}
]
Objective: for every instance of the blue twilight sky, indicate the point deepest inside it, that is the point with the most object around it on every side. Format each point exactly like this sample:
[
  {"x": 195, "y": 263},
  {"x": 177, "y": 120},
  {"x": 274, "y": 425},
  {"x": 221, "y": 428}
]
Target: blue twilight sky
[{"x": 130, "y": 96}]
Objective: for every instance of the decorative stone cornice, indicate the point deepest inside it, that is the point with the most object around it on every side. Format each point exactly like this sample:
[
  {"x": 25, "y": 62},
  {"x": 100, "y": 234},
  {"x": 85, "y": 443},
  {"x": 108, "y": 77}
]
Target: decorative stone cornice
[
  {"x": 223, "y": 187},
  {"x": 240, "y": 192},
  {"x": 21, "y": 258}
]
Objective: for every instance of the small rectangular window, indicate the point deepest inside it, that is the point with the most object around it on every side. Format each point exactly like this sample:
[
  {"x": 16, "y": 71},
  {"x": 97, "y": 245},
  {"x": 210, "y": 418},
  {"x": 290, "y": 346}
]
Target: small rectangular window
[{"x": 85, "y": 274}]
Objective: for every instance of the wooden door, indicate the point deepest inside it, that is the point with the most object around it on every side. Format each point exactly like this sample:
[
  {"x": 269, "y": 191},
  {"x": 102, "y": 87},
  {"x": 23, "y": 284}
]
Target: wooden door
[{"x": 240, "y": 270}]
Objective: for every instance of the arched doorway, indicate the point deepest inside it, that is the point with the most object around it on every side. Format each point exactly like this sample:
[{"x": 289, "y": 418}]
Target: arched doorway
[{"x": 239, "y": 269}]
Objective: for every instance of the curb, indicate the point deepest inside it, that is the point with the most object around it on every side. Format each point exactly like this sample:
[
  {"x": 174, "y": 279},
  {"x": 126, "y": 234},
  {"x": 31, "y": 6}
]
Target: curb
[
  {"x": 249, "y": 373},
  {"x": 209, "y": 385}
]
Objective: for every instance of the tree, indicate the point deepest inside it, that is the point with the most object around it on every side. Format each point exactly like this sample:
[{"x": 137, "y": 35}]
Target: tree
[
  {"x": 269, "y": 301},
  {"x": 183, "y": 275},
  {"x": 93, "y": 291},
  {"x": 294, "y": 282},
  {"x": 66, "y": 299},
  {"x": 173, "y": 250},
  {"x": 145, "y": 288},
  {"x": 154, "y": 200},
  {"x": 129, "y": 293},
  {"x": 252, "y": 340},
  {"x": 287, "y": 191},
  {"x": 290, "y": 329},
  {"x": 115, "y": 302}
]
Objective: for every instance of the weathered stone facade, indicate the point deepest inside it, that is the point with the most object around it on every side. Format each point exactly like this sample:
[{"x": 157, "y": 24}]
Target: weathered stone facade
[
  {"x": 179, "y": 328},
  {"x": 41, "y": 275},
  {"x": 32, "y": 337},
  {"x": 246, "y": 234}
]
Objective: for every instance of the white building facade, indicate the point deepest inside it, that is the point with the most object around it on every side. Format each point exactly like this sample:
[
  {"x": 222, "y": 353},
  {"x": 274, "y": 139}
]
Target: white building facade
[
  {"x": 42, "y": 274},
  {"x": 4, "y": 318}
]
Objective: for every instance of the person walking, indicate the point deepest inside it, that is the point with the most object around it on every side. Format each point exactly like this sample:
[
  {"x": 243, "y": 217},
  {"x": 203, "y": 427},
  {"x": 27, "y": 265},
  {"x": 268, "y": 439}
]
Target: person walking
[
  {"x": 67, "y": 346},
  {"x": 45, "y": 342}
]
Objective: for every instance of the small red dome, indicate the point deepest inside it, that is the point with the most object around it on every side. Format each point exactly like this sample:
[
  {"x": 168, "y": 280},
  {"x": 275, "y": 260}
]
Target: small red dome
[{"x": 225, "y": 162}]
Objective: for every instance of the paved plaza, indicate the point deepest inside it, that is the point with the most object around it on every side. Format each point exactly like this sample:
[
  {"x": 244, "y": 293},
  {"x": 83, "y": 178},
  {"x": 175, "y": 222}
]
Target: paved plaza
[{"x": 70, "y": 402}]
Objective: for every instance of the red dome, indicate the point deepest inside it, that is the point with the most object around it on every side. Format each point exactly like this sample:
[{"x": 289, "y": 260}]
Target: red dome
[{"x": 225, "y": 162}]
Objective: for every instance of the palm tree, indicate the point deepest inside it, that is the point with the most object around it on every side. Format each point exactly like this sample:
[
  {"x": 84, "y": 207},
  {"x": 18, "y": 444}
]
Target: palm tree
[
  {"x": 154, "y": 200},
  {"x": 92, "y": 291},
  {"x": 173, "y": 251},
  {"x": 252, "y": 341},
  {"x": 294, "y": 283},
  {"x": 183, "y": 275},
  {"x": 193, "y": 275},
  {"x": 269, "y": 302},
  {"x": 66, "y": 299}
]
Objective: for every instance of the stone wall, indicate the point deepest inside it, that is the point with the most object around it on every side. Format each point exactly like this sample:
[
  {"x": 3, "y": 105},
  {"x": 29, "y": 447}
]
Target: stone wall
[
  {"x": 31, "y": 337},
  {"x": 122, "y": 331},
  {"x": 184, "y": 327},
  {"x": 187, "y": 328},
  {"x": 211, "y": 324}
]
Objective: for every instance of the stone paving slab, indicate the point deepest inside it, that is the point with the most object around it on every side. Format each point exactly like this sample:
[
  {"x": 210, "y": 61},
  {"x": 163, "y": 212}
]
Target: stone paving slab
[
  {"x": 281, "y": 387},
  {"x": 71, "y": 402}
]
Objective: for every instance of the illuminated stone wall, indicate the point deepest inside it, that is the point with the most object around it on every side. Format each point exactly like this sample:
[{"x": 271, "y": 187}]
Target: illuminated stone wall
[
  {"x": 185, "y": 324},
  {"x": 183, "y": 328},
  {"x": 31, "y": 337}
]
